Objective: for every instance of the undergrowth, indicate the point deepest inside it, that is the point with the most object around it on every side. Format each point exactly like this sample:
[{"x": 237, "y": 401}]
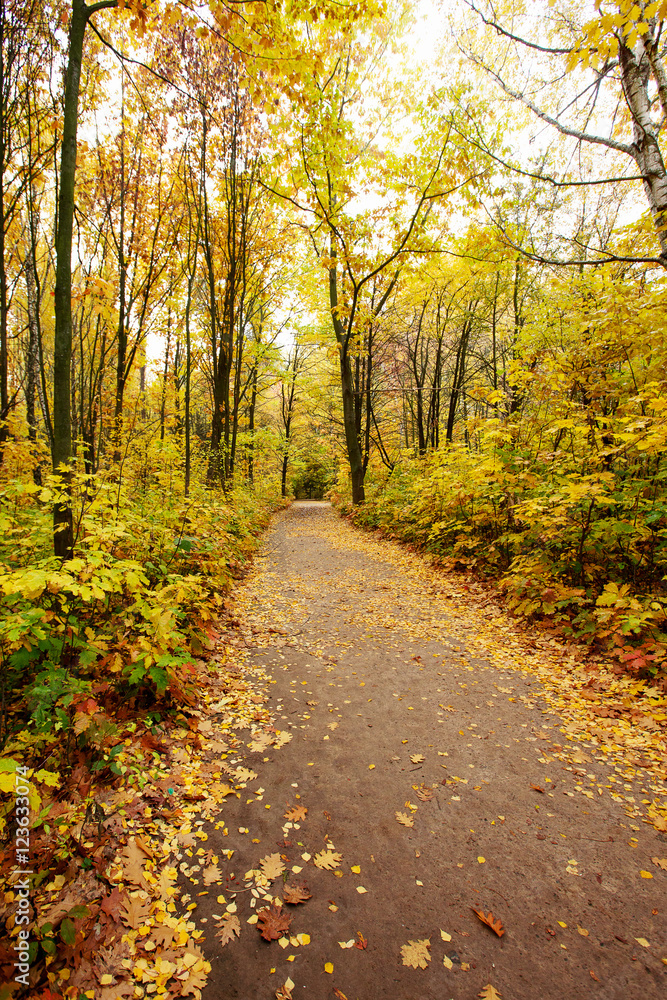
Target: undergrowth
[
  {"x": 112, "y": 632},
  {"x": 584, "y": 553}
]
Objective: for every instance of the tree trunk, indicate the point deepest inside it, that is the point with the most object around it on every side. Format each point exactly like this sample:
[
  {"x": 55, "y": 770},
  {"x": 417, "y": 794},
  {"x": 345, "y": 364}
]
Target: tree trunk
[{"x": 635, "y": 72}]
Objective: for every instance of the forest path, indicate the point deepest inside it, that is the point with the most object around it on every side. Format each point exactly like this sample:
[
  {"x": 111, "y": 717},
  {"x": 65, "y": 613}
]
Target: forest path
[{"x": 404, "y": 694}]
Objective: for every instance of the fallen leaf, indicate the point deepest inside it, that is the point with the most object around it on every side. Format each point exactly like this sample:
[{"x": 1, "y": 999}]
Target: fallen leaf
[
  {"x": 643, "y": 942},
  {"x": 327, "y": 860},
  {"x": 489, "y": 992},
  {"x": 361, "y": 890},
  {"x": 417, "y": 758},
  {"x": 582, "y": 931},
  {"x": 227, "y": 928},
  {"x": 296, "y": 813},
  {"x": 294, "y": 894},
  {"x": 661, "y": 863},
  {"x": 328, "y": 967},
  {"x": 285, "y": 991},
  {"x": 447, "y": 962},
  {"x": 404, "y": 819},
  {"x": 339, "y": 994},
  {"x": 135, "y": 912},
  {"x": 488, "y": 918},
  {"x": 272, "y": 922},
  {"x": 537, "y": 788},
  {"x": 645, "y": 874},
  {"x": 445, "y": 936},
  {"x": 415, "y": 954},
  {"x": 212, "y": 875},
  {"x": 424, "y": 793},
  {"x": 593, "y": 976},
  {"x": 272, "y": 866},
  {"x": 362, "y": 943}
]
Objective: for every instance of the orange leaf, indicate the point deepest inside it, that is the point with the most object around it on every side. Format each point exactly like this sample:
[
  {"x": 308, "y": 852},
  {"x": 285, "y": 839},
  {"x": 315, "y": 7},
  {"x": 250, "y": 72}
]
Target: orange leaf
[
  {"x": 488, "y": 918},
  {"x": 362, "y": 943},
  {"x": 537, "y": 788}
]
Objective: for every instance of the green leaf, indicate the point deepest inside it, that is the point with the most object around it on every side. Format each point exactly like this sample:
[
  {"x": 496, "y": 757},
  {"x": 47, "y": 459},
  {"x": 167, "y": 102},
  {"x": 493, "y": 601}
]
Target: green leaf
[{"x": 68, "y": 931}]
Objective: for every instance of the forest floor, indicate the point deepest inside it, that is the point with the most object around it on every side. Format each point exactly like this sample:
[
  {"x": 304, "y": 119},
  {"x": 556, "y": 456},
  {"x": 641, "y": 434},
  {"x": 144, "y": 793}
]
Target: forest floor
[{"x": 423, "y": 759}]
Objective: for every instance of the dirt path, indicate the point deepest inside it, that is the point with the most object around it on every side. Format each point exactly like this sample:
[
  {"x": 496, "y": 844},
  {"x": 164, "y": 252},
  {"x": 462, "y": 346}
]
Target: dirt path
[{"x": 436, "y": 779}]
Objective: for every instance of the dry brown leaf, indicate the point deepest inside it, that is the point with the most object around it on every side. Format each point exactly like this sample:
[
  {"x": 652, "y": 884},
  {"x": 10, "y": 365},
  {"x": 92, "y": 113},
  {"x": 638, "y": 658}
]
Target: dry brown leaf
[
  {"x": 661, "y": 863},
  {"x": 227, "y": 927},
  {"x": 404, "y": 819},
  {"x": 327, "y": 860},
  {"x": 296, "y": 813},
  {"x": 163, "y": 935},
  {"x": 212, "y": 875},
  {"x": 294, "y": 894},
  {"x": 415, "y": 954},
  {"x": 273, "y": 923},
  {"x": 488, "y": 918},
  {"x": 272, "y": 866},
  {"x": 132, "y": 859},
  {"x": 135, "y": 912},
  {"x": 243, "y": 775},
  {"x": 260, "y": 743},
  {"x": 284, "y": 992},
  {"x": 424, "y": 793},
  {"x": 537, "y": 788}
]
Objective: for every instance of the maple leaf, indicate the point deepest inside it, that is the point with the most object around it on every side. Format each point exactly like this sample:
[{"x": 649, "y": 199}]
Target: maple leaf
[
  {"x": 227, "y": 927},
  {"x": 415, "y": 954},
  {"x": 488, "y": 918},
  {"x": 489, "y": 992},
  {"x": 417, "y": 758},
  {"x": 273, "y": 923},
  {"x": 404, "y": 819},
  {"x": 296, "y": 813},
  {"x": 327, "y": 860},
  {"x": 294, "y": 894},
  {"x": 272, "y": 867}
]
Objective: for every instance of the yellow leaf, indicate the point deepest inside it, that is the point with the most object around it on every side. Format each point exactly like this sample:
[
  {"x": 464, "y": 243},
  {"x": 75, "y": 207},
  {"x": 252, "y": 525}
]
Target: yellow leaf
[
  {"x": 643, "y": 942},
  {"x": 328, "y": 967},
  {"x": 645, "y": 874},
  {"x": 415, "y": 954},
  {"x": 445, "y": 936},
  {"x": 447, "y": 962}
]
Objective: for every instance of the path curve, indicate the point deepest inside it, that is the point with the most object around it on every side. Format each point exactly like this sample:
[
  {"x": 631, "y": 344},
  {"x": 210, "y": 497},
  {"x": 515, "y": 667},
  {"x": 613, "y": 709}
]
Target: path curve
[{"x": 431, "y": 765}]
